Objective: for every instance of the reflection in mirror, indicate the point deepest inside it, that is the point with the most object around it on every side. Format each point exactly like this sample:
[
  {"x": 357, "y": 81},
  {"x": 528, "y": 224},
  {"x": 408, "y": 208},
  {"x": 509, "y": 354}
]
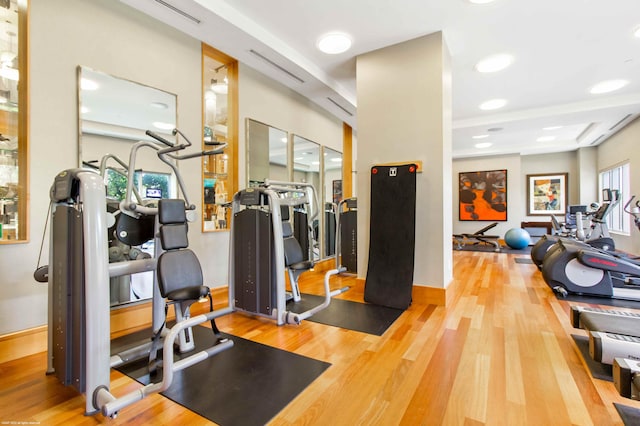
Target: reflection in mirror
[
  {"x": 267, "y": 149},
  {"x": 306, "y": 168},
  {"x": 114, "y": 114},
  {"x": 332, "y": 191}
]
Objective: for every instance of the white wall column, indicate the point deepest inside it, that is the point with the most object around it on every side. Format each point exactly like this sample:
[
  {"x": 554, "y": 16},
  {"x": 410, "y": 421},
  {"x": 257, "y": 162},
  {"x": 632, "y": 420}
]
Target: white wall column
[{"x": 404, "y": 115}]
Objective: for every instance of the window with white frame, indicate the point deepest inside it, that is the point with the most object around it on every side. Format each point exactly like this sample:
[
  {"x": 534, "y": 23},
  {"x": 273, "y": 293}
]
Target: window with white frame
[{"x": 617, "y": 178}]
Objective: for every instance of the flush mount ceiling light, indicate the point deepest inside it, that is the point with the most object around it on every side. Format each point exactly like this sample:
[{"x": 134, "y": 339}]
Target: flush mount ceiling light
[
  {"x": 546, "y": 139},
  {"x": 608, "y": 86},
  {"x": 479, "y": 136},
  {"x": 493, "y": 104},
  {"x": 334, "y": 43},
  {"x": 480, "y": 1},
  {"x": 494, "y": 63},
  {"x": 483, "y": 145},
  {"x": 636, "y": 33},
  {"x": 552, "y": 128}
]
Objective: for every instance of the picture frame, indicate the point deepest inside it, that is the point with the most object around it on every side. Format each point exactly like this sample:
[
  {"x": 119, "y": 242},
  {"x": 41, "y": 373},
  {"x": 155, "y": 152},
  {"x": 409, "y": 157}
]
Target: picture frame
[
  {"x": 547, "y": 194},
  {"x": 482, "y": 195}
]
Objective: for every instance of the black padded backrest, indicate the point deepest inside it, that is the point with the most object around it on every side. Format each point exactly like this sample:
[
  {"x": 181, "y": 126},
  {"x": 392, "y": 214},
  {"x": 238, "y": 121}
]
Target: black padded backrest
[
  {"x": 174, "y": 236},
  {"x": 171, "y": 211},
  {"x": 177, "y": 270},
  {"x": 292, "y": 251}
]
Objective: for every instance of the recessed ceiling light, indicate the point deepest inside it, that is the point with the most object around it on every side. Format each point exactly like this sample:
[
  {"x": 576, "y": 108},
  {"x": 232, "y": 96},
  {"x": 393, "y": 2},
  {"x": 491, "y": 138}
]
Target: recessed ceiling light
[
  {"x": 479, "y": 136},
  {"x": 608, "y": 86},
  {"x": 480, "y": 1},
  {"x": 546, "y": 138},
  {"x": 636, "y": 33},
  {"x": 163, "y": 126},
  {"x": 283, "y": 140},
  {"x": 494, "y": 63},
  {"x": 483, "y": 145},
  {"x": 493, "y": 104},
  {"x": 552, "y": 128},
  {"x": 334, "y": 43},
  {"x": 84, "y": 110},
  {"x": 337, "y": 160}
]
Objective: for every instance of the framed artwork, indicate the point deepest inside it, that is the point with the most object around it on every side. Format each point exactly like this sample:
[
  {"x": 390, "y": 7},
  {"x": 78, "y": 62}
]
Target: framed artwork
[
  {"x": 547, "y": 194},
  {"x": 483, "y": 195}
]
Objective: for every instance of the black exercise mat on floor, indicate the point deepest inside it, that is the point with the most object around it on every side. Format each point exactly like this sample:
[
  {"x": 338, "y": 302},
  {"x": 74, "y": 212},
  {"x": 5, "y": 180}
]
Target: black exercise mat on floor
[
  {"x": 491, "y": 249},
  {"x": 364, "y": 317},
  {"x": 523, "y": 260},
  {"x": 246, "y": 385},
  {"x": 630, "y": 416},
  {"x": 607, "y": 301},
  {"x": 597, "y": 369}
]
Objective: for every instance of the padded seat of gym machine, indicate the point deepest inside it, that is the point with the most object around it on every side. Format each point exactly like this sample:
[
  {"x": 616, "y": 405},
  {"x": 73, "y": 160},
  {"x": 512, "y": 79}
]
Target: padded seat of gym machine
[
  {"x": 594, "y": 321},
  {"x": 188, "y": 293},
  {"x": 301, "y": 266}
]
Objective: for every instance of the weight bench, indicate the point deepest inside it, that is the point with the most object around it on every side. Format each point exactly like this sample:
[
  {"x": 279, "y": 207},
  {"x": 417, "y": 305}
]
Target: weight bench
[{"x": 478, "y": 237}]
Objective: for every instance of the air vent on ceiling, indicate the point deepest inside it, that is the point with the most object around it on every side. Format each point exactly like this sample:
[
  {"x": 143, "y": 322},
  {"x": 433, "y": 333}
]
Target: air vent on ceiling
[
  {"x": 597, "y": 141},
  {"x": 340, "y": 106},
  {"x": 178, "y": 11},
  {"x": 273, "y": 64},
  {"x": 620, "y": 122}
]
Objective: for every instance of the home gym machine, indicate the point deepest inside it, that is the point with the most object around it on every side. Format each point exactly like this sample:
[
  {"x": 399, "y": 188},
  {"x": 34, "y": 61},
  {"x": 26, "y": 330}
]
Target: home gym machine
[
  {"x": 262, "y": 246},
  {"x": 79, "y": 272},
  {"x": 346, "y": 240}
]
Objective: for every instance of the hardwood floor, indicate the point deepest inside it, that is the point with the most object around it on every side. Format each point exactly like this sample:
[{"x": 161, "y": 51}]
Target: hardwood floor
[{"x": 501, "y": 354}]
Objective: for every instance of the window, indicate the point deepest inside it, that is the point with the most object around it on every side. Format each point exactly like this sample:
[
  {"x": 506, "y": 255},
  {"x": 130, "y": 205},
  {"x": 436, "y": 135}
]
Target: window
[
  {"x": 617, "y": 178},
  {"x": 148, "y": 184}
]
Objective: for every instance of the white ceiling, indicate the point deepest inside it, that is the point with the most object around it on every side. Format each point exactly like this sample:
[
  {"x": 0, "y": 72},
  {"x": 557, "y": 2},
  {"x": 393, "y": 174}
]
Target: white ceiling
[{"x": 561, "y": 49}]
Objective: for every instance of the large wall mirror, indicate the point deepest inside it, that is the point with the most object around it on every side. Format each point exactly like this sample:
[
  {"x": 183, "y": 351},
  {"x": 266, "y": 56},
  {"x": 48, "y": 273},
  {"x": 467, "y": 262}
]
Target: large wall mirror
[
  {"x": 114, "y": 113},
  {"x": 332, "y": 194},
  {"x": 306, "y": 168},
  {"x": 267, "y": 153},
  {"x": 13, "y": 122}
]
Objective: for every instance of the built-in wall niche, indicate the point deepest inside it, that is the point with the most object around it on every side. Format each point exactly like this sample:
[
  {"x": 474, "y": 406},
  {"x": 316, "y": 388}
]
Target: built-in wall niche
[
  {"x": 14, "y": 79},
  {"x": 267, "y": 153},
  {"x": 220, "y": 112}
]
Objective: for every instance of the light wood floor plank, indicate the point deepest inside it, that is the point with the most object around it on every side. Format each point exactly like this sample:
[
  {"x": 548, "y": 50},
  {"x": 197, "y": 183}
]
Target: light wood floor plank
[{"x": 500, "y": 354}]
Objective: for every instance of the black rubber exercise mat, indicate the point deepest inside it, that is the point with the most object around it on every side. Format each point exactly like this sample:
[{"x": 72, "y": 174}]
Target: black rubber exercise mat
[
  {"x": 597, "y": 369},
  {"x": 364, "y": 317},
  {"x": 391, "y": 236},
  {"x": 246, "y": 385},
  {"x": 630, "y": 416}
]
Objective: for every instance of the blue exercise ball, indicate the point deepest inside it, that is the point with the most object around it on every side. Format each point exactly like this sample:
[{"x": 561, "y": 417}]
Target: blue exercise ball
[{"x": 517, "y": 238}]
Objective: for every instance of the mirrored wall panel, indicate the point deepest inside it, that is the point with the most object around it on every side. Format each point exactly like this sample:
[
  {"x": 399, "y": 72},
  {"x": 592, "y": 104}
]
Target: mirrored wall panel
[
  {"x": 306, "y": 168},
  {"x": 267, "y": 153},
  {"x": 332, "y": 194},
  {"x": 114, "y": 114}
]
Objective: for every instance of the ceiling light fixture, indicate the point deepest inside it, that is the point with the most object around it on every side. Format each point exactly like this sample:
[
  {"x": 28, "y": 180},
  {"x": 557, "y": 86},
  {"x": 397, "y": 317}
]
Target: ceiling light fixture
[
  {"x": 552, "y": 128},
  {"x": 493, "y": 104},
  {"x": 479, "y": 136},
  {"x": 334, "y": 43},
  {"x": 337, "y": 160},
  {"x": 480, "y": 1},
  {"x": 10, "y": 73},
  {"x": 483, "y": 145},
  {"x": 159, "y": 105},
  {"x": 608, "y": 86},
  {"x": 636, "y": 33},
  {"x": 546, "y": 139},
  {"x": 494, "y": 63}
]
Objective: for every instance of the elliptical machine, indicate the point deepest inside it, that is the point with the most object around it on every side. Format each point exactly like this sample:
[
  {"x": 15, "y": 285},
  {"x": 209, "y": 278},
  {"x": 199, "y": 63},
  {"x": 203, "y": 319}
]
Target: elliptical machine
[
  {"x": 598, "y": 235},
  {"x": 572, "y": 267}
]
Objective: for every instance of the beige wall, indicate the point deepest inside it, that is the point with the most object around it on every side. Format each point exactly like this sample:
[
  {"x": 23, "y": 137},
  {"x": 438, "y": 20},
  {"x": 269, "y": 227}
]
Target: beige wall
[{"x": 622, "y": 147}]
